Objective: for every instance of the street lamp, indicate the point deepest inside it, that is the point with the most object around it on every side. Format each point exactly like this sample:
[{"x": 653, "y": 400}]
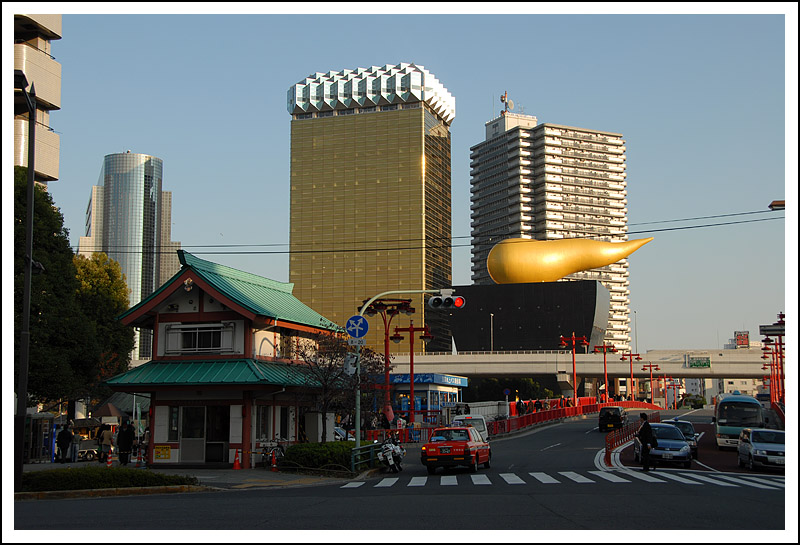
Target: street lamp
[
  {"x": 605, "y": 348},
  {"x": 574, "y": 341},
  {"x": 774, "y": 384},
  {"x": 491, "y": 332},
  {"x": 651, "y": 365},
  {"x": 630, "y": 356},
  {"x": 425, "y": 337},
  {"x": 388, "y": 309},
  {"x": 21, "y": 82}
]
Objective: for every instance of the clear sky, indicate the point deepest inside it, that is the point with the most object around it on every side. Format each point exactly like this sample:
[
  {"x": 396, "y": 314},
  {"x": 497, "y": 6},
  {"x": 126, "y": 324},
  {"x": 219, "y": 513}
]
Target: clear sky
[{"x": 700, "y": 99}]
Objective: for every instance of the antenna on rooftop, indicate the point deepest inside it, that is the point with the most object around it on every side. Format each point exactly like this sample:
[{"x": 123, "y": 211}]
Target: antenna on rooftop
[{"x": 508, "y": 102}]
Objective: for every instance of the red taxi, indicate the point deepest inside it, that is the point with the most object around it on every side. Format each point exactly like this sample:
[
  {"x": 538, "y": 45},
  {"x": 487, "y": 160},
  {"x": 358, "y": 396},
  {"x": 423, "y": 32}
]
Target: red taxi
[{"x": 456, "y": 446}]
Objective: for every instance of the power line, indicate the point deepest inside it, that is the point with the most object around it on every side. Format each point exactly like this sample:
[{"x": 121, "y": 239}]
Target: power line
[{"x": 349, "y": 249}]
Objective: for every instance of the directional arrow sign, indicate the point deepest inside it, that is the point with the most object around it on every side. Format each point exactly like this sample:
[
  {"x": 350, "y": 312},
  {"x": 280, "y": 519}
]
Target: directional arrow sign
[{"x": 357, "y": 326}]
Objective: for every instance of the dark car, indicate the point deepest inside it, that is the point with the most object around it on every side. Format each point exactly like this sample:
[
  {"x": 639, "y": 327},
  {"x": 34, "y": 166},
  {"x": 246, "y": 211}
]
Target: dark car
[
  {"x": 672, "y": 446},
  {"x": 687, "y": 428},
  {"x": 612, "y": 417}
]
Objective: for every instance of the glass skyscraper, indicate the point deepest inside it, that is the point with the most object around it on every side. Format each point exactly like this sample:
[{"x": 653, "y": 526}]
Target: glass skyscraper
[
  {"x": 370, "y": 190},
  {"x": 124, "y": 219}
]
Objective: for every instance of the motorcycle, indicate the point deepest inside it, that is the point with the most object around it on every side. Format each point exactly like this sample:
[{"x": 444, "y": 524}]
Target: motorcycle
[{"x": 391, "y": 454}]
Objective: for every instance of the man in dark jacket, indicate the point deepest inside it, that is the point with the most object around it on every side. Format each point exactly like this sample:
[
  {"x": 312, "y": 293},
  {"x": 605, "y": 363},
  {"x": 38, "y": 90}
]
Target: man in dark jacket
[
  {"x": 64, "y": 440},
  {"x": 645, "y": 435},
  {"x": 125, "y": 439}
]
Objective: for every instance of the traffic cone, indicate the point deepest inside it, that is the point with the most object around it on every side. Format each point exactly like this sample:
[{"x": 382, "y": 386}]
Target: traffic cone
[
  {"x": 274, "y": 462},
  {"x": 139, "y": 458},
  {"x": 108, "y": 460},
  {"x": 236, "y": 464}
]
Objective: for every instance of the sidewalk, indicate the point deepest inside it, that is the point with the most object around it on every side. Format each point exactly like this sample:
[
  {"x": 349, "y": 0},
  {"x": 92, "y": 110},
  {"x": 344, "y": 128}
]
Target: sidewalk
[{"x": 209, "y": 480}]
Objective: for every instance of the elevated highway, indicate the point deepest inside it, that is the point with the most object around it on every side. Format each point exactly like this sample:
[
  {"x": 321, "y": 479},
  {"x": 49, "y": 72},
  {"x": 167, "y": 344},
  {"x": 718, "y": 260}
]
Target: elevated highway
[{"x": 742, "y": 363}]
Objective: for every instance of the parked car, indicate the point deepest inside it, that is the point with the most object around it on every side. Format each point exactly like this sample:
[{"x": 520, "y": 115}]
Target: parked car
[
  {"x": 475, "y": 420},
  {"x": 456, "y": 446},
  {"x": 687, "y": 428},
  {"x": 612, "y": 417},
  {"x": 672, "y": 446},
  {"x": 762, "y": 447}
]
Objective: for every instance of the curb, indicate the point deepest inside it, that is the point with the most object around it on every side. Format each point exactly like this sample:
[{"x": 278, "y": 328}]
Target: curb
[{"x": 102, "y": 492}]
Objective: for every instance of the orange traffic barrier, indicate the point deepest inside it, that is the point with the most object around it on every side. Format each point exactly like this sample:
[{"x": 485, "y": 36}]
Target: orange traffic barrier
[
  {"x": 108, "y": 460},
  {"x": 236, "y": 464},
  {"x": 274, "y": 462},
  {"x": 139, "y": 458}
]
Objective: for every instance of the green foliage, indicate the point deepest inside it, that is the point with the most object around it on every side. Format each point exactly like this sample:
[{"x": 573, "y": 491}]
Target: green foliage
[
  {"x": 319, "y": 455},
  {"x": 486, "y": 389},
  {"x": 87, "y": 478}
]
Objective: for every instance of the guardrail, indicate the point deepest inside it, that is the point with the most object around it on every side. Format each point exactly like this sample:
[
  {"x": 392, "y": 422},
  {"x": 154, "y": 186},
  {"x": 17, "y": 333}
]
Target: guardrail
[
  {"x": 624, "y": 434},
  {"x": 363, "y": 455},
  {"x": 779, "y": 411}
]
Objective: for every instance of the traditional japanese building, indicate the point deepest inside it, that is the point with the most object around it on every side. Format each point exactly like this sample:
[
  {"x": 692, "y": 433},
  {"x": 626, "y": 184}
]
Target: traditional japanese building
[{"x": 224, "y": 375}]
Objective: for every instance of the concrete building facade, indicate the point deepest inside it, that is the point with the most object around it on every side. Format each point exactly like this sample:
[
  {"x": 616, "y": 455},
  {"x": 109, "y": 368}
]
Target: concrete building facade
[{"x": 547, "y": 182}]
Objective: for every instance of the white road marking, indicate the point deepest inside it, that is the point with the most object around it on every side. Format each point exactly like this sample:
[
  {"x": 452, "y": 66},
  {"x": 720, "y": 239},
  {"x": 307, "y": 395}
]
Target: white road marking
[
  {"x": 480, "y": 479},
  {"x": 708, "y": 479},
  {"x": 705, "y": 466},
  {"x": 677, "y": 478},
  {"x": 418, "y": 481},
  {"x": 745, "y": 482},
  {"x": 764, "y": 480},
  {"x": 544, "y": 478},
  {"x": 388, "y": 481},
  {"x": 591, "y": 430},
  {"x": 551, "y": 446},
  {"x": 511, "y": 478},
  {"x": 642, "y": 476},
  {"x": 607, "y": 475},
  {"x": 449, "y": 480},
  {"x": 354, "y": 484},
  {"x": 575, "y": 477}
]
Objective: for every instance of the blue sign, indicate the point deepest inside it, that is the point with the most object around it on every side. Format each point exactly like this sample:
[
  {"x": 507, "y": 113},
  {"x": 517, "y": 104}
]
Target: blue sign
[
  {"x": 357, "y": 326},
  {"x": 506, "y": 391}
]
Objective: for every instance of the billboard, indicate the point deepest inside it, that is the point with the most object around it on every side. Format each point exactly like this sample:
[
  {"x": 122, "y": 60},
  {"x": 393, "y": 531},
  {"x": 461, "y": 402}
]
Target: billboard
[
  {"x": 742, "y": 339},
  {"x": 699, "y": 361}
]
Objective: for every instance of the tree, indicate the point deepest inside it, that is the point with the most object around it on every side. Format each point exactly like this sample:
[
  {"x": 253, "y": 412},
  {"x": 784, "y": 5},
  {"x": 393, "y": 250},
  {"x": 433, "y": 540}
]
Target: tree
[
  {"x": 329, "y": 384},
  {"x": 102, "y": 295},
  {"x": 59, "y": 333}
]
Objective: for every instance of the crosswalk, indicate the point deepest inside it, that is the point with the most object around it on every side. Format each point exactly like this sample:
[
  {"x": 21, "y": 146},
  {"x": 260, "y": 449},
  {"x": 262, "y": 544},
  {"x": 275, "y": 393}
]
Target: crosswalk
[{"x": 535, "y": 478}]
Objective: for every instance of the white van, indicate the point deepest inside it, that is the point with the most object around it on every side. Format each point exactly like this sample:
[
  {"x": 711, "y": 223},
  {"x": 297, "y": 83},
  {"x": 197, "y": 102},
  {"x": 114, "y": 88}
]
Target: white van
[{"x": 477, "y": 421}]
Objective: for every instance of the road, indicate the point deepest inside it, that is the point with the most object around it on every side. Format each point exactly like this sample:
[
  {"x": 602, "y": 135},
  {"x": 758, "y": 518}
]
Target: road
[{"x": 548, "y": 478}]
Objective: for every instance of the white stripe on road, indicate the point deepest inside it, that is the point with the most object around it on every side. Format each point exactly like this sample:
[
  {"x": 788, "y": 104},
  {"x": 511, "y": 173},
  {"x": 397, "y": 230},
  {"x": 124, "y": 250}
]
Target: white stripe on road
[
  {"x": 543, "y": 478},
  {"x": 511, "y": 478},
  {"x": 642, "y": 476},
  {"x": 607, "y": 475},
  {"x": 388, "y": 481},
  {"x": 449, "y": 480},
  {"x": 677, "y": 478},
  {"x": 480, "y": 479},
  {"x": 708, "y": 480},
  {"x": 575, "y": 477},
  {"x": 591, "y": 430},
  {"x": 745, "y": 482},
  {"x": 763, "y": 480},
  {"x": 418, "y": 481},
  {"x": 551, "y": 446},
  {"x": 354, "y": 484}
]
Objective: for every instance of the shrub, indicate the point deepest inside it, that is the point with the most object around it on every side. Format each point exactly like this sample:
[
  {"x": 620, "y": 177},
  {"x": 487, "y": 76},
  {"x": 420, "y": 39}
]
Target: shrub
[
  {"x": 98, "y": 477},
  {"x": 319, "y": 455}
]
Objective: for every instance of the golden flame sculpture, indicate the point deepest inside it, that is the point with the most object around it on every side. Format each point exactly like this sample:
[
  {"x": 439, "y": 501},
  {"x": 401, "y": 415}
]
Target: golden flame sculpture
[{"x": 520, "y": 260}]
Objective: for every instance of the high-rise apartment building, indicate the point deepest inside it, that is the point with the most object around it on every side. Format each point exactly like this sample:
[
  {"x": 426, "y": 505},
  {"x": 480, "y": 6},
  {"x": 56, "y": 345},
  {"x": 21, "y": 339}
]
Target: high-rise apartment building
[
  {"x": 129, "y": 218},
  {"x": 370, "y": 190},
  {"x": 545, "y": 182},
  {"x": 33, "y": 35}
]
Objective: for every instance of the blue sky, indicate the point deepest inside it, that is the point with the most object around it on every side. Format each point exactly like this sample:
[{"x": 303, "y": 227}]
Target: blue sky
[{"x": 700, "y": 99}]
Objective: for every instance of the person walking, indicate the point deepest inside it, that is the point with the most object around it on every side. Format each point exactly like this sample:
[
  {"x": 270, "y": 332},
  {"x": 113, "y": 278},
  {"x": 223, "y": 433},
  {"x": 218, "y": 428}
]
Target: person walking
[
  {"x": 145, "y": 443},
  {"x": 64, "y": 441},
  {"x": 75, "y": 447},
  {"x": 125, "y": 438},
  {"x": 105, "y": 440},
  {"x": 646, "y": 439}
]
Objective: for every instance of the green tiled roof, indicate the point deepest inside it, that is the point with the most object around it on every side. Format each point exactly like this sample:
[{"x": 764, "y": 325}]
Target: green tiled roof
[
  {"x": 206, "y": 372},
  {"x": 262, "y": 296}
]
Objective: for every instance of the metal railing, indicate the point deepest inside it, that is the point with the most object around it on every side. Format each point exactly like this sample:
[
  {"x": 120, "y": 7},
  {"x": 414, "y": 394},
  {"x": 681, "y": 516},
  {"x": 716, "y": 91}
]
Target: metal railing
[
  {"x": 624, "y": 434},
  {"x": 364, "y": 456}
]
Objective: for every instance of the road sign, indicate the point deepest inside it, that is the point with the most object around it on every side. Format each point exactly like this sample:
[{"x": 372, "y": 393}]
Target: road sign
[
  {"x": 357, "y": 326},
  {"x": 448, "y": 404},
  {"x": 356, "y": 342},
  {"x": 506, "y": 391}
]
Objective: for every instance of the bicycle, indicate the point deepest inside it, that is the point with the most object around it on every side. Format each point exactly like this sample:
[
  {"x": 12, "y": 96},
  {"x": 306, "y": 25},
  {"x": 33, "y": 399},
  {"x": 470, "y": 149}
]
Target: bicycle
[{"x": 270, "y": 447}]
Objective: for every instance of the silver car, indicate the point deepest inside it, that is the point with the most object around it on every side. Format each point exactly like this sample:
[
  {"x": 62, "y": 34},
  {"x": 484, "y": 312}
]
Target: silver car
[{"x": 762, "y": 447}]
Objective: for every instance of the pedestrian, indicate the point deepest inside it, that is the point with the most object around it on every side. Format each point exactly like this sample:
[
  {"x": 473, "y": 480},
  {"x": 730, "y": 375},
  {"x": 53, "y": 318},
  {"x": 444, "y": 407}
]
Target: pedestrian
[
  {"x": 466, "y": 409},
  {"x": 537, "y": 406},
  {"x": 145, "y": 443},
  {"x": 76, "y": 444},
  {"x": 646, "y": 440},
  {"x": 125, "y": 438},
  {"x": 105, "y": 440},
  {"x": 64, "y": 441}
]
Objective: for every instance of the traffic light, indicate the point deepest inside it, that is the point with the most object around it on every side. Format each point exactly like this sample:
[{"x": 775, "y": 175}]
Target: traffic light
[{"x": 446, "y": 301}]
